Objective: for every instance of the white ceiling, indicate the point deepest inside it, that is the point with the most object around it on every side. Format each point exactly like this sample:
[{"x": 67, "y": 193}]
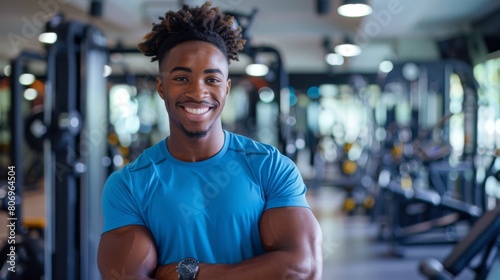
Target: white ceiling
[{"x": 398, "y": 29}]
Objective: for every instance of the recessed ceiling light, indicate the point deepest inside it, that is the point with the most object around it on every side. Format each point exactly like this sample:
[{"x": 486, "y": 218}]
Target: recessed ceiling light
[
  {"x": 257, "y": 69},
  {"x": 348, "y": 50},
  {"x": 48, "y": 37},
  {"x": 354, "y": 8}
]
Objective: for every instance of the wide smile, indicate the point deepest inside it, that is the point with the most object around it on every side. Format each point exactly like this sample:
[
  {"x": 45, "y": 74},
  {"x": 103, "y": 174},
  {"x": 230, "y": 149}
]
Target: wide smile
[{"x": 196, "y": 113}]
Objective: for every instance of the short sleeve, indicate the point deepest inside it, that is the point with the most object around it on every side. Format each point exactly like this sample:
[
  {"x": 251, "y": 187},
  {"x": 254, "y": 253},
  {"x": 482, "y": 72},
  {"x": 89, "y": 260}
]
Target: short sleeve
[
  {"x": 118, "y": 204},
  {"x": 283, "y": 184}
]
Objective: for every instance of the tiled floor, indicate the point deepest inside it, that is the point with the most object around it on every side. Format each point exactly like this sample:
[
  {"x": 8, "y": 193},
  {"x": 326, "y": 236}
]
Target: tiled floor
[{"x": 350, "y": 250}]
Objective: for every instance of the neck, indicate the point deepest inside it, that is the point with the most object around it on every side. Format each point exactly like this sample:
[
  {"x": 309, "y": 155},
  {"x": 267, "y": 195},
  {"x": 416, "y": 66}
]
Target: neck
[{"x": 191, "y": 149}]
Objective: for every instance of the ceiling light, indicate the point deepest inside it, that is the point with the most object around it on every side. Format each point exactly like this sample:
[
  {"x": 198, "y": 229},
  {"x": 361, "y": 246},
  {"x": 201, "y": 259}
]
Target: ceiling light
[
  {"x": 334, "y": 59},
  {"x": 48, "y": 37},
  {"x": 26, "y": 79},
  {"x": 257, "y": 69},
  {"x": 385, "y": 66},
  {"x": 347, "y": 49},
  {"x": 354, "y": 8}
]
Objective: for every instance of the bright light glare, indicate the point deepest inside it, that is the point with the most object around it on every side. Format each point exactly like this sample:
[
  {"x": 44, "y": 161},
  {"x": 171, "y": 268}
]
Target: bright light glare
[
  {"x": 7, "y": 70},
  {"x": 328, "y": 90},
  {"x": 30, "y": 94},
  {"x": 118, "y": 160},
  {"x": 489, "y": 127},
  {"x": 348, "y": 50},
  {"x": 48, "y": 37},
  {"x": 132, "y": 124},
  {"x": 386, "y": 66},
  {"x": 266, "y": 95},
  {"x": 257, "y": 69},
  {"x": 300, "y": 143},
  {"x": 334, "y": 59},
  {"x": 354, "y": 10},
  {"x": 26, "y": 79},
  {"x": 107, "y": 70}
]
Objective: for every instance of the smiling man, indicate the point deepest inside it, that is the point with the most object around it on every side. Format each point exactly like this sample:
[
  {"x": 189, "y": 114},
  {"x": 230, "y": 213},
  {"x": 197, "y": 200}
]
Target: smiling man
[{"x": 205, "y": 203}]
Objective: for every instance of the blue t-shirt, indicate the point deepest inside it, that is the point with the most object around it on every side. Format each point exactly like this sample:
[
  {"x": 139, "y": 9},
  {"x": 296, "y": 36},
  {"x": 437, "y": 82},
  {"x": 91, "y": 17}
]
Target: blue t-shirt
[{"x": 209, "y": 210}]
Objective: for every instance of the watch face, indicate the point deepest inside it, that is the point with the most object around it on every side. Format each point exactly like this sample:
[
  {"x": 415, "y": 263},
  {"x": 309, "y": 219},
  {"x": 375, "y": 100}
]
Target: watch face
[{"x": 188, "y": 267}]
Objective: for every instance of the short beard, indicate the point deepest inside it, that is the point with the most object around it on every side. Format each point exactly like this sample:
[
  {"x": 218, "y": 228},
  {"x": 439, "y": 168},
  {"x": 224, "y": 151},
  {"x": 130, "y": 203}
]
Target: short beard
[{"x": 195, "y": 134}]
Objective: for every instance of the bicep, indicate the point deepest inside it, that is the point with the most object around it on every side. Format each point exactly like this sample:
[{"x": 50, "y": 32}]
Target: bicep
[
  {"x": 128, "y": 251},
  {"x": 291, "y": 228}
]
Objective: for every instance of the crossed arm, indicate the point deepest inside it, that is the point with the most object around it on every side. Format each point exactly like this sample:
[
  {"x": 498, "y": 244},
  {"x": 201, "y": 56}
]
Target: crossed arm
[{"x": 291, "y": 237}]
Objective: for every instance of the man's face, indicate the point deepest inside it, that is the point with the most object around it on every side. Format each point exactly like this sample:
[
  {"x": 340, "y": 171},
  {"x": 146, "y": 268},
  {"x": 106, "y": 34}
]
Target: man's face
[{"x": 194, "y": 84}]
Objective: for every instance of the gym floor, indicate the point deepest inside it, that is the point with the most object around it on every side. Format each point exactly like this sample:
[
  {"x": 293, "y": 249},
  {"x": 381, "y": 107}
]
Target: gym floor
[{"x": 350, "y": 248}]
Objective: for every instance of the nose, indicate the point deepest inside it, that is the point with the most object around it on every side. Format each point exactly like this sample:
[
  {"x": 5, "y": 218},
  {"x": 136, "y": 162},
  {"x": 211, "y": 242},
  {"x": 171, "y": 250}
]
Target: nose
[{"x": 198, "y": 89}]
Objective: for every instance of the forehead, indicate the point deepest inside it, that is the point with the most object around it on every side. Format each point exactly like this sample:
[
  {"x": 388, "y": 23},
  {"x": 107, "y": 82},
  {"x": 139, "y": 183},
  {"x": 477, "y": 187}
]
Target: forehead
[{"x": 195, "y": 54}]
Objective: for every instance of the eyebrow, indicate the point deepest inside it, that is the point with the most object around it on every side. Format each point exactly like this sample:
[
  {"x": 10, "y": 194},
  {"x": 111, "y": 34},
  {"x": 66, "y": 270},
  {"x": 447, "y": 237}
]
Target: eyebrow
[{"x": 186, "y": 69}]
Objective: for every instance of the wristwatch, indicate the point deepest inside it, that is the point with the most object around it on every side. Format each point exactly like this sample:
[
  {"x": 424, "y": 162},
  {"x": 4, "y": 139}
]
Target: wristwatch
[{"x": 187, "y": 269}]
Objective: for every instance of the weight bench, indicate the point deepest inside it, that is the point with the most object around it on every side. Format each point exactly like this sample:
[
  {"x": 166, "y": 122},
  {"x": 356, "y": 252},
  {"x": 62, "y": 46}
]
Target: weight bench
[
  {"x": 484, "y": 235},
  {"x": 433, "y": 198}
]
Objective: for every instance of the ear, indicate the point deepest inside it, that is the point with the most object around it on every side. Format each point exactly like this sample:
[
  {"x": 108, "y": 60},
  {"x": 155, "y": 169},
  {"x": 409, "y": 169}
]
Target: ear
[
  {"x": 228, "y": 86},
  {"x": 159, "y": 87}
]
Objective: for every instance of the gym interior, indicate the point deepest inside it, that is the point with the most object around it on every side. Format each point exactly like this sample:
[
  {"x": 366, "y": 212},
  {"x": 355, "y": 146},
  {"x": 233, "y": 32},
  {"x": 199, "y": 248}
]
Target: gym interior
[{"x": 392, "y": 117}]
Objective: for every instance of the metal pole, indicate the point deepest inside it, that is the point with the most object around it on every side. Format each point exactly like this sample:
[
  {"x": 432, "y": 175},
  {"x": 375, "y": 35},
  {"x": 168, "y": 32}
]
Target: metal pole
[
  {"x": 17, "y": 129},
  {"x": 93, "y": 148},
  {"x": 66, "y": 255},
  {"x": 282, "y": 83}
]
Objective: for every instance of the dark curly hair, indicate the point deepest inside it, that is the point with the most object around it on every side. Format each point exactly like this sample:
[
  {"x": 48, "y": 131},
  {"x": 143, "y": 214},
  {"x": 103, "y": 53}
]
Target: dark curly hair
[{"x": 203, "y": 23}]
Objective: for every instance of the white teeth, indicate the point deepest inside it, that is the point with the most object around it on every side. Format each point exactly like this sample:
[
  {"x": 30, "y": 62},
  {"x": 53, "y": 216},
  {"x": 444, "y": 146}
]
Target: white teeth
[{"x": 197, "y": 111}]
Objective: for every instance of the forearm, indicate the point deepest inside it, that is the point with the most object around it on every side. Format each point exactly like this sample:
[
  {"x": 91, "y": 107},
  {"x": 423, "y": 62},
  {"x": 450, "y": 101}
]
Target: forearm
[
  {"x": 293, "y": 246},
  {"x": 125, "y": 275},
  {"x": 272, "y": 265},
  {"x": 125, "y": 270}
]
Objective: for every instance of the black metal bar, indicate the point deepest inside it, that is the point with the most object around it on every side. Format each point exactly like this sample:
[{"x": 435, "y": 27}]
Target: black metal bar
[
  {"x": 49, "y": 175},
  {"x": 282, "y": 82},
  {"x": 17, "y": 128},
  {"x": 66, "y": 255}
]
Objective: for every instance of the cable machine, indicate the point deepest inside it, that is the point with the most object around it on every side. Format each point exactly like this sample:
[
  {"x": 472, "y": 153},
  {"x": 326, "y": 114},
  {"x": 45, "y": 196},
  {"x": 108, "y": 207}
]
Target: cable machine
[
  {"x": 77, "y": 113},
  {"x": 73, "y": 129}
]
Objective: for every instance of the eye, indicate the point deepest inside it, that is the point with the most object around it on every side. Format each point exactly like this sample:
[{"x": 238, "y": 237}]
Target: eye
[
  {"x": 213, "y": 80},
  {"x": 180, "y": 79}
]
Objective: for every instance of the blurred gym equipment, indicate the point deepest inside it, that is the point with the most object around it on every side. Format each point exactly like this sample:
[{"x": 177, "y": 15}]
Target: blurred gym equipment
[
  {"x": 428, "y": 180},
  {"x": 72, "y": 130},
  {"x": 481, "y": 243}
]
